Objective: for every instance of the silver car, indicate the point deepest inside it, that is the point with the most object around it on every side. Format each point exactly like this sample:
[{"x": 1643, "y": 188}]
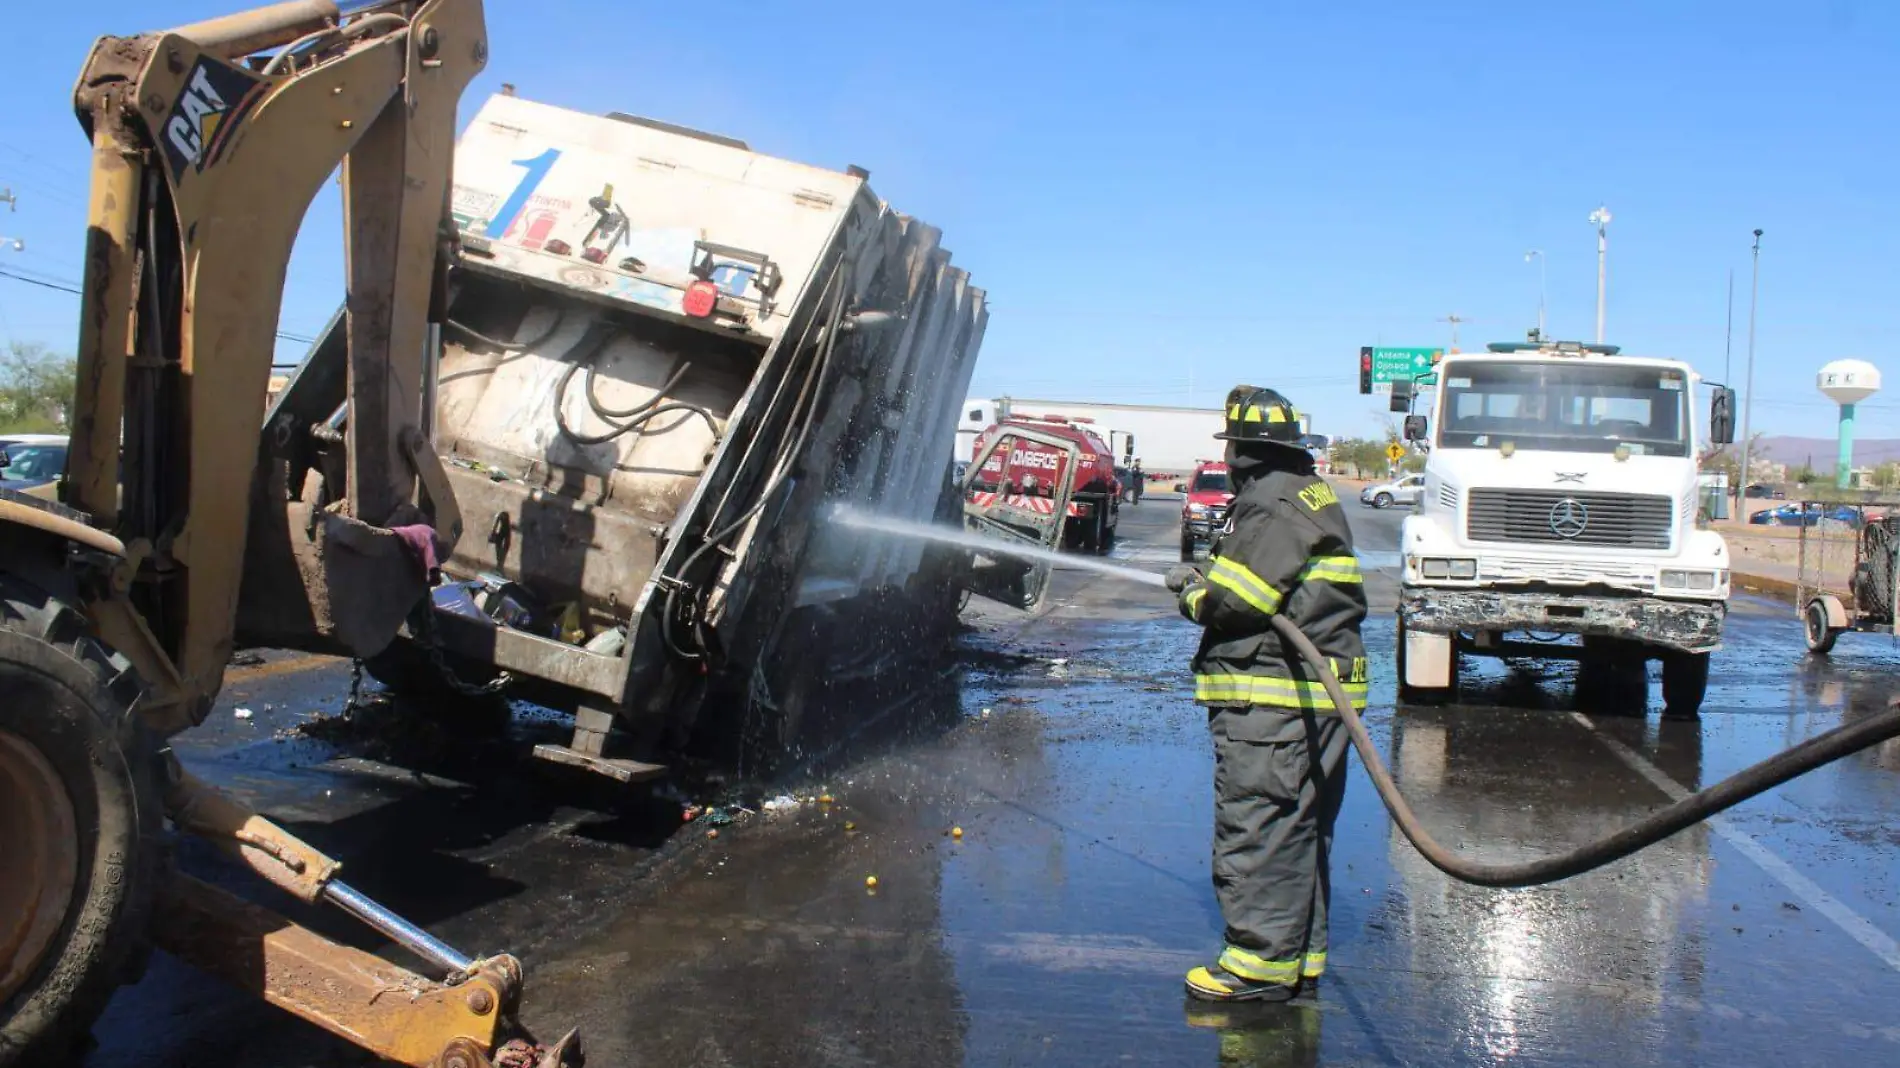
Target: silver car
[{"x": 1407, "y": 490}]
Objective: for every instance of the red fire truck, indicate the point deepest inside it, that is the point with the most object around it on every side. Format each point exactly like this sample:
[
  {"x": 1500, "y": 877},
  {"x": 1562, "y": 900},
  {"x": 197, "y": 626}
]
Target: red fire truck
[{"x": 1029, "y": 475}]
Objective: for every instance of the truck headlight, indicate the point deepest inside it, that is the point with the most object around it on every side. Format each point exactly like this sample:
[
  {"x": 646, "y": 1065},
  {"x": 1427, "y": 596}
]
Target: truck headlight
[
  {"x": 1675, "y": 579},
  {"x": 1701, "y": 580},
  {"x": 1198, "y": 509},
  {"x": 1438, "y": 567}
]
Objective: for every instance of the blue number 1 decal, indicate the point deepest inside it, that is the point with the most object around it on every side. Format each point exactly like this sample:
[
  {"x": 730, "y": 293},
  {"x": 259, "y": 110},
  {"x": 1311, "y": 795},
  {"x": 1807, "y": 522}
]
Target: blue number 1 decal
[{"x": 538, "y": 168}]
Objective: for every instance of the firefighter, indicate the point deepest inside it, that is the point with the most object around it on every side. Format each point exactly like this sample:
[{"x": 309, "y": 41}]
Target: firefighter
[{"x": 1279, "y": 746}]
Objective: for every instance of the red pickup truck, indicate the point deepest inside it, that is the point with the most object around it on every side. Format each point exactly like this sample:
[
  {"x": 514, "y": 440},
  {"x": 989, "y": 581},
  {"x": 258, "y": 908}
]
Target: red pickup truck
[{"x": 1209, "y": 492}]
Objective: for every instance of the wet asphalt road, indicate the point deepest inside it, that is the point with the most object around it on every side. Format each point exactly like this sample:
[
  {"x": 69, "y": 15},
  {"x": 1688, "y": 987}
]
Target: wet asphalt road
[{"x": 1055, "y": 930}]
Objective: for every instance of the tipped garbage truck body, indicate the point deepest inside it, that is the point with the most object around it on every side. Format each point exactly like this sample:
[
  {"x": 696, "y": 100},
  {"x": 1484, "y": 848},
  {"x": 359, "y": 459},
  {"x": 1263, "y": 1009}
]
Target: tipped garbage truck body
[{"x": 664, "y": 358}]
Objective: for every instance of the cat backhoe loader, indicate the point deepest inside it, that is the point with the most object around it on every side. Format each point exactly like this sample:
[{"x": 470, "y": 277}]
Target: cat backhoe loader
[{"x": 118, "y": 603}]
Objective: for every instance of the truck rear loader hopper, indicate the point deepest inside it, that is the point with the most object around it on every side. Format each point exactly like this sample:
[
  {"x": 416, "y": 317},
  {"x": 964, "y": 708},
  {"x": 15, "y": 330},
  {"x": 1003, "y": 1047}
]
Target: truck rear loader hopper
[{"x": 664, "y": 356}]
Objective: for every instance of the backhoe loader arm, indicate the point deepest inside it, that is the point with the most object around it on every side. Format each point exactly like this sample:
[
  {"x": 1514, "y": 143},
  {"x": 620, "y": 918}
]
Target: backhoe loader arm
[
  {"x": 206, "y": 154},
  {"x": 205, "y": 157}
]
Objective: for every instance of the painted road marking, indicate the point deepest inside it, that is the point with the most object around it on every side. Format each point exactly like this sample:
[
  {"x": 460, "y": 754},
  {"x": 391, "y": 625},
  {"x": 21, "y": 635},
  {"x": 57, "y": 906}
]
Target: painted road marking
[{"x": 1857, "y": 927}]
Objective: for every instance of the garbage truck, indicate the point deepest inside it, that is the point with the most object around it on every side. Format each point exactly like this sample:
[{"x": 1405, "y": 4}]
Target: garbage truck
[
  {"x": 1558, "y": 522},
  {"x": 665, "y": 356}
]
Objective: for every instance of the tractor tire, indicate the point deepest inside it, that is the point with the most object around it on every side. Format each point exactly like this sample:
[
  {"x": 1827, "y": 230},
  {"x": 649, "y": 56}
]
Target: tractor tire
[{"x": 81, "y": 815}]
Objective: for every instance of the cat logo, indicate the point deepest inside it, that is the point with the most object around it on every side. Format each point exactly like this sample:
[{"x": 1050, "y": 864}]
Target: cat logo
[{"x": 215, "y": 97}]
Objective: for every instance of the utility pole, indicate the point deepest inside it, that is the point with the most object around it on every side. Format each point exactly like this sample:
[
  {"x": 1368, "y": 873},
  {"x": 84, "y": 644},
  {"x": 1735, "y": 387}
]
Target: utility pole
[
  {"x": 1601, "y": 217},
  {"x": 1748, "y": 400},
  {"x": 1454, "y": 319},
  {"x": 1538, "y": 253}
]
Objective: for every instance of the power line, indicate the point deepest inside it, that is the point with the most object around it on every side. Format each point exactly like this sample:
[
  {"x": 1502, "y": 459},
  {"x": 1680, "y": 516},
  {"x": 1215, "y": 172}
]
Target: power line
[
  {"x": 62, "y": 287},
  {"x": 64, "y": 172},
  {"x": 68, "y": 287}
]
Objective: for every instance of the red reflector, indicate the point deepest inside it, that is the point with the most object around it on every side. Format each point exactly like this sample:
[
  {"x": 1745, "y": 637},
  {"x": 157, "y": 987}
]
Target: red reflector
[
  {"x": 595, "y": 255},
  {"x": 557, "y": 247},
  {"x": 701, "y": 298}
]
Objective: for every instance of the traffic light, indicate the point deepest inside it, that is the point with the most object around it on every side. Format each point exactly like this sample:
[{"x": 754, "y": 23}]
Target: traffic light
[{"x": 1365, "y": 369}]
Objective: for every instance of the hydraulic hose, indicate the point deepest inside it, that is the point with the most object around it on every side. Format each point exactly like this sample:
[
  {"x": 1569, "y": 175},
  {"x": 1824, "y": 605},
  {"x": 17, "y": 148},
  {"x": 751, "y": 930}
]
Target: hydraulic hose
[{"x": 1799, "y": 760}]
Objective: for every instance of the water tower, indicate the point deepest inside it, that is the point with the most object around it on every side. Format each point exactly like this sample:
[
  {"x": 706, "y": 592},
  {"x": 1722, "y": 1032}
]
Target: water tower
[{"x": 1847, "y": 383}]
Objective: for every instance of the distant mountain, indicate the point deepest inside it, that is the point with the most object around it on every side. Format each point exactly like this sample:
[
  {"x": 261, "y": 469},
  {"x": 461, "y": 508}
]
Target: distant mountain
[{"x": 1819, "y": 452}]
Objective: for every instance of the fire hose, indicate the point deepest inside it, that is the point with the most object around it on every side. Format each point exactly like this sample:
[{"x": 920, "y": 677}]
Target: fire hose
[{"x": 1798, "y": 760}]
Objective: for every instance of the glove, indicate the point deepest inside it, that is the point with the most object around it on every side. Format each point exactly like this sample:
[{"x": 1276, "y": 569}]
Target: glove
[{"x": 1180, "y": 577}]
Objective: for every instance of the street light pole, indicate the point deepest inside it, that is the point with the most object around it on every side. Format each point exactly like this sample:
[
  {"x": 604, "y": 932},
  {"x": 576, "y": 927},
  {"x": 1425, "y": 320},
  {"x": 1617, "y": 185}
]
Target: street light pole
[
  {"x": 1454, "y": 319},
  {"x": 1748, "y": 400},
  {"x": 1601, "y": 217},
  {"x": 1538, "y": 254}
]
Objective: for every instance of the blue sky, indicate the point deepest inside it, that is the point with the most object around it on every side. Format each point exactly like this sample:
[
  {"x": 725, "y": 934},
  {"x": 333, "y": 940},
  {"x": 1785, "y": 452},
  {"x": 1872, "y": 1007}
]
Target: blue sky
[{"x": 1163, "y": 197}]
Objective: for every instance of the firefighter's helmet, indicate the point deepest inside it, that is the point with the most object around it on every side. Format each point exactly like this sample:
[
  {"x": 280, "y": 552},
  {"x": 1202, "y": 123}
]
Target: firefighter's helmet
[{"x": 1258, "y": 414}]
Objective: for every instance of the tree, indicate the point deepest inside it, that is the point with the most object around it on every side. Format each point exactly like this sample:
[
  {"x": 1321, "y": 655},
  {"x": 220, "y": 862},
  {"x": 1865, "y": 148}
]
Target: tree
[
  {"x": 1727, "y": 459},
  {"x": 1887, "y": 476},
  {"x": 1358, "y": 454},
  {"x": 1803, "y": 475},
  {"x": 36, "y": 390}
]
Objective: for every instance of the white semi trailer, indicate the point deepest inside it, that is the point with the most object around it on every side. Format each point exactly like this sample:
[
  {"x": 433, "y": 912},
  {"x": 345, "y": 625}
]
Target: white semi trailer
[{"x": 1168, "y": 441}]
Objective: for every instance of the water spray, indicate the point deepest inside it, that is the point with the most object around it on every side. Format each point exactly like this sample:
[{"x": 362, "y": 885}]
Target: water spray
[
  {"x": 845, "y": 515},
  {"x": 1790, "y": 763}
]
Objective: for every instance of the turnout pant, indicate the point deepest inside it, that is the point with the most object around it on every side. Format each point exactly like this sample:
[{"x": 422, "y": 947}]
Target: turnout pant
[{"x": 1279, "y": 779}]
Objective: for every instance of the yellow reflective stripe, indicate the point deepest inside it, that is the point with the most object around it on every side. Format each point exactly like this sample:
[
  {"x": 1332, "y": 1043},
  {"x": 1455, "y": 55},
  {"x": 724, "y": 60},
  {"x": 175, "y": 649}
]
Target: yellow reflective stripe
[
  {"x": 1315, "y": 965},
  {"x": 1332, "y": 569},
  {"x": 1192, "y": 602},
  {"x": 1276, "y": 692},
  {"x": 1243, "y": 583},
  {"x": 1253, "y": 966}
]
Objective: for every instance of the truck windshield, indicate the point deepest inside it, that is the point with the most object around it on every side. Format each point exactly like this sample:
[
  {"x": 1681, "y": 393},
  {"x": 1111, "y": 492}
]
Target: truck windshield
[
  {"x": 1571, "y": 406},
  {"x": 1211, "y": 482}
]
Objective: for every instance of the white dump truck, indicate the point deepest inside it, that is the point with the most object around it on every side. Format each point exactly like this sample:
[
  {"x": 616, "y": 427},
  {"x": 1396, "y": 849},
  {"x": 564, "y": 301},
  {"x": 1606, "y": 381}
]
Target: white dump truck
[
  {"x": 1558, "y": 521},
  {"x": 665, "y": 358}
]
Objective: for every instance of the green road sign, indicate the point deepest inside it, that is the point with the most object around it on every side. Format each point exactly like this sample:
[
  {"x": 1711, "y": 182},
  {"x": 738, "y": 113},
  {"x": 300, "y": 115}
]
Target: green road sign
[{"x": 1389, "y": 365}]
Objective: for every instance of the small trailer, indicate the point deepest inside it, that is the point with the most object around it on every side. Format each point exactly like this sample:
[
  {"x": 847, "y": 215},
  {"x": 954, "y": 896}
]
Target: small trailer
[{"x": 1848, "y": 576}]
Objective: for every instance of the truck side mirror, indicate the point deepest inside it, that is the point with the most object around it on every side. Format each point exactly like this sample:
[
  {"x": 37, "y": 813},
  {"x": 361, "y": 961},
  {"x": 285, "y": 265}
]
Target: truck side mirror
[
  {"x": 1128, "y": 450},
  {"x": 1180, "y": 487},
  {"x": 1402, "y": 396},
  {"x": 1722, "y": 416},
  {"x": 1415, "y": 428}
]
